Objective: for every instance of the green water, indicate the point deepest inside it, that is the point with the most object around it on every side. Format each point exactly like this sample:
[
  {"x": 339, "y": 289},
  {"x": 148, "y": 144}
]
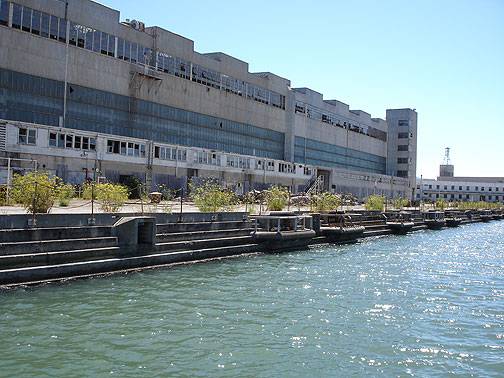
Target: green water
[{"x": 427, "y": 304}]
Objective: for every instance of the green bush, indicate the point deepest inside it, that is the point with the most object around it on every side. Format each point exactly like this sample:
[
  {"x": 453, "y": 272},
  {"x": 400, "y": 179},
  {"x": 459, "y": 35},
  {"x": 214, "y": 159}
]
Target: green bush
[
  {"x": 167, "y": 194},
  {"x": 65, "y": 192},
  {"x": 375, "y": 203},
  {"x": 441, "y": 204},
  {"x": 325, "y": 202},
  {"x": 277, "y": 198},
  {"x": 210, "y": 197},
  {"x": 36, "y": 191},
  {"x": 111, "y": 196},
  {"x": 399, "y": 203}
]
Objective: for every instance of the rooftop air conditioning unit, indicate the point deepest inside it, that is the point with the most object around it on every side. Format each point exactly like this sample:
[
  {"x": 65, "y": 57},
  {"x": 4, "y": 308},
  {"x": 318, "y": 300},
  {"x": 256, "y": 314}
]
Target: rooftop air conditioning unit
[{"x": 137, "y": 25}]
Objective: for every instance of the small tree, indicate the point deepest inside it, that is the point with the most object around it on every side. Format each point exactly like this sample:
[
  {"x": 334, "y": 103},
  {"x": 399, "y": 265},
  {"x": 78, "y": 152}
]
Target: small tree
[
  {"x": 375, "y": 203},
  {"x": 65, "y": 192},
  {"x": 277, "y": 198},
  {"x": 326, "y": 202},
  {"x": 36, "y": 191},
  {"x": 399, "y": 203},
  {"x": 210, "y": 197},
  {"x": 111, "y": 196},
  {"x": 440, "y": 204}
]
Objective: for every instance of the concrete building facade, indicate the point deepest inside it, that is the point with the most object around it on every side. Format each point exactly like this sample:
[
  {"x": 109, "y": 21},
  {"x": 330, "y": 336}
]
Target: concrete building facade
[{"x": 78, "y": 71}]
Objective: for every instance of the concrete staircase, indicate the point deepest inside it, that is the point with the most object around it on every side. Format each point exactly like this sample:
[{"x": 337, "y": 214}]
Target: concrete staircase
[
  {"x": 45, "y": 254},
  {"x": 206, "y": 239}
]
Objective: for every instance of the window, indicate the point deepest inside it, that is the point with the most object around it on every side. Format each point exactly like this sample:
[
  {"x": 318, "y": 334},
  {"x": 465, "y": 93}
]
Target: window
[
  {"x": 453, "y": 187},
  {"x": 69, "y": 141},
  {"x": 44, "y": 25},
  {"x": 403, "y": 135},
  {"x": 468, "y": 188},
  {"x": 402, "y": 147},
  {"x": 445, "y": 187},
  {"x": 62, "y": 31},
  {"x": 430, "y": 186},
  {"x": 53, "y": 28},
  {"x": 403, "y": 123},
  {"x": 482, "y": 188},
  {"x": 35, "y": 27},
  {"x": 53, "y": 137},
  {"x": 460, "y": 187},
  {"x": 4, "y": 12},
  {"x": 26, "y": 19},
  {"x": 61, "y": 140},
  {"x": 476, "y": 188},
  {"x": 402, "y": 160},
  {"x": 437, "y": 187},
  {"x": 16, "y": 16},
  {"x": 402, "y": 173},
  {"x": 27, "y": 136}
]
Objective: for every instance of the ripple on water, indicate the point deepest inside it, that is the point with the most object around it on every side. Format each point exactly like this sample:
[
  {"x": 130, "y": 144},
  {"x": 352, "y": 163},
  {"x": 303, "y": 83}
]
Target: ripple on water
[{"x": 428, "y": 304}]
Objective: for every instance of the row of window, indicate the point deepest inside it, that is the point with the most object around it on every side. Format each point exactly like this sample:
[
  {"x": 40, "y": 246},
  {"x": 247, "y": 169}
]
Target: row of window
[
  {"x": 460, "y": 187},
  {"x": 170, "y": 153},
  {"x": 72, "y": 141},
  {"x": 28, "y": 136},
  {"x": 312, "y": 152},
  {"x": 125, "y": 148},
  {"x": 460, "y": 196},
  {"x": 237, "y": 162},
  {"x": 91, "y": 39},
  {"x": 36, "y": 22},
  {"x": 209, "y": 158},
  {"x": 49, "y": 26},
  {"x": 335, "y": 120},
  {"x": 38, "y": 100},
  {"x": 265, "y": 165}
]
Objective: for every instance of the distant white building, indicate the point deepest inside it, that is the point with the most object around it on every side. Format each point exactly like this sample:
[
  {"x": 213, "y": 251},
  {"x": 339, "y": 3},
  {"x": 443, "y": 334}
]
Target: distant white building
[{"x": 452, "y": 188}]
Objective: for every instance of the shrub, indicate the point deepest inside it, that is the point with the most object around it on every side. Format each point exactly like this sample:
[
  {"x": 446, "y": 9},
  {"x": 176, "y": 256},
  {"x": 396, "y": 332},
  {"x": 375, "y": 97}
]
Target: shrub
[
  {"x": 375, "y": 202},
  {"x": 111, "y": 196},
  {"x": 167, "y": 194},
  {"x": 440, "y": 204},
  {"x": 325, "y": 202},
  {"x": 399, "y": 203},
  {"x": 210, "y": 197},
  {"x": 36, "y": 191},
  {"x": 277, "y": 198},
  {"x": 65, "y": 192}
]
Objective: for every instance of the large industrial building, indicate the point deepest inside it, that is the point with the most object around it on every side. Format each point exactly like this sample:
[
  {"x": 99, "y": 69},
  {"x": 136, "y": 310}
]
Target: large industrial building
[{"x": 83, "y": 94}]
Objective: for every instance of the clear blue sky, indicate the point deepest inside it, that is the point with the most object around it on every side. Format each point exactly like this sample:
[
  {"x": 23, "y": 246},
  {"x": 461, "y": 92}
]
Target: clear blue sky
[{"x": 443, "y": 58}]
